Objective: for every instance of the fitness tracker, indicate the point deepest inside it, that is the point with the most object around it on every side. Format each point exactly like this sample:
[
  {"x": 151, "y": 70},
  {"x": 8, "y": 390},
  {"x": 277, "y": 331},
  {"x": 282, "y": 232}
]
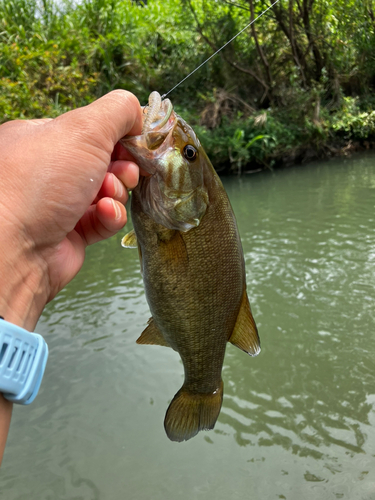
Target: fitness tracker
[{"x": 23, "y": 358}]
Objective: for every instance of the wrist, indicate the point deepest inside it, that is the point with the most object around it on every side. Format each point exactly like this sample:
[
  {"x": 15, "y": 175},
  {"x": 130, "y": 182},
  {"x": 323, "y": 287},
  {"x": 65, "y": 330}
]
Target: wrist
[
  {"x": 23, "y": 358},
  {"x": 23, "y": 278}
]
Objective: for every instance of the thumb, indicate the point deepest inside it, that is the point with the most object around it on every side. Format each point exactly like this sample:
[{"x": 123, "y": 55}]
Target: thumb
[{"x": 105, "y": 121}]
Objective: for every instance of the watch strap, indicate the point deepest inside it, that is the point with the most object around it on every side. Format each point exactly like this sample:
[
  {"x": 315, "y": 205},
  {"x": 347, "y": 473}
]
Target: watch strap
[{"x": 23, "y": 358}]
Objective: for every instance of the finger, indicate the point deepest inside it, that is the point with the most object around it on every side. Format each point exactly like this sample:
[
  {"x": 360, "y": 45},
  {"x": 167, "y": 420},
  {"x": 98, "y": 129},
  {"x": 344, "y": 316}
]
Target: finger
[
  {"x": 101, "y": 221},
  {"x": 112, "y": 187},
  {"x": 120, "y": 153},
  {"x": 126, "y": 171}
]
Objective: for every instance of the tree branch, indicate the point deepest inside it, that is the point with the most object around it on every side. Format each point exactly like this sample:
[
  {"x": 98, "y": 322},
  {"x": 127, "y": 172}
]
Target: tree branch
[
  {"x": 301, "y": 60},
  {"x": 231, "y": 63},
  {"x": 319, "y": 62},
  {"x": 259, "y": 48},
  {"x": 293, "y": 45}
]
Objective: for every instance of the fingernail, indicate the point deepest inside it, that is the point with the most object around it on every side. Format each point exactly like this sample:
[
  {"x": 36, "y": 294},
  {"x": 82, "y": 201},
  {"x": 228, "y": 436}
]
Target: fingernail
[
  {"x": 117, "y": 210},
  {"x": 119, "y": 188}
]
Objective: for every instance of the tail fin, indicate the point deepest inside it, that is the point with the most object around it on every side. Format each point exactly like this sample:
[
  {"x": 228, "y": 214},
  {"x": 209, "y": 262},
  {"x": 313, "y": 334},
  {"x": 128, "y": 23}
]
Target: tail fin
[{"x": 191, "y": 412}]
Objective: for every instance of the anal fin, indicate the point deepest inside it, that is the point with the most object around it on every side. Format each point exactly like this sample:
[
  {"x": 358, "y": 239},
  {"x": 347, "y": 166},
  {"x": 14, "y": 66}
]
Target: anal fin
[
  {"x": 152, "y": 335},
  {"x": 245, "y": 333}
]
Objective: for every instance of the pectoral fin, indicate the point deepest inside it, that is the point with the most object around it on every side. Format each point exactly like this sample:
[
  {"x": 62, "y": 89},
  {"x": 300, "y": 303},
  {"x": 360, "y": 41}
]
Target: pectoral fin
[
  {"x": 130, "y": 240},
  {"x": 245, "y": 333},
  {"x": 152, "y": 335}
]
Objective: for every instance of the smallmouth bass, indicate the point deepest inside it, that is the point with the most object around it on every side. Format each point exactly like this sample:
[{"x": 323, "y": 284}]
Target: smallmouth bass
[{"x": 192, "y": 264}]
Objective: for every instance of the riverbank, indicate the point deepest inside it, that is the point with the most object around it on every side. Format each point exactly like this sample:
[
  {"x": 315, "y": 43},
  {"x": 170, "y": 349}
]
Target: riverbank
[
  {"x": 277, "y": 138},
  {"x": 305, "y": 154}
]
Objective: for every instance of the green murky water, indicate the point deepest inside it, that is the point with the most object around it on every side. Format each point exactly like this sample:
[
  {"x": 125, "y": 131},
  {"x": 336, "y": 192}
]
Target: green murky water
[{"x": 297, "y": 422}]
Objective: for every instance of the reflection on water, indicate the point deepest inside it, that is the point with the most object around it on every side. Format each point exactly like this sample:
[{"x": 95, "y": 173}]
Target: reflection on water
[{"x": 297, "y": 421}]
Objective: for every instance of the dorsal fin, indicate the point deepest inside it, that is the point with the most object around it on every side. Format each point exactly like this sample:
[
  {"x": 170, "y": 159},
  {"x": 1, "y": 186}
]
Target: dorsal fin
[
  {"x": 130, "y": 240},
  {"x": 152, "y": 335},
  {"x": 245, "y": 334}
]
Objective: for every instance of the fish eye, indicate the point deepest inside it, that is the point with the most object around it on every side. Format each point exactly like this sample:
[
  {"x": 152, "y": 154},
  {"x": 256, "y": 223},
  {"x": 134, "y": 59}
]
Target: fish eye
[{"x": 190, "y": 152}]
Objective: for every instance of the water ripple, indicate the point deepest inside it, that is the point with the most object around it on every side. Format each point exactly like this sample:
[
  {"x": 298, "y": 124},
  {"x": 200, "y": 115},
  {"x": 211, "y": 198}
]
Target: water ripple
[{"x": 297, "y": 422}]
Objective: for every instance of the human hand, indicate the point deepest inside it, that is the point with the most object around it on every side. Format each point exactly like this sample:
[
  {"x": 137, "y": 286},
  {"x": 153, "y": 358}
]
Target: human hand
[{"x": 63, "y": 185}]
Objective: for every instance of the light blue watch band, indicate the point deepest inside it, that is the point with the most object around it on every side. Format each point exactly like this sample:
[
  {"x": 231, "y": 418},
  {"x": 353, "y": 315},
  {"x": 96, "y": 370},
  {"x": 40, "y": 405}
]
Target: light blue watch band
[{"x": 23, "y": 358}]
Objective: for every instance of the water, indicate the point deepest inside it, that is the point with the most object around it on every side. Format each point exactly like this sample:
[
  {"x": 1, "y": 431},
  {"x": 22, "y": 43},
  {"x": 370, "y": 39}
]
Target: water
[{"x": 297, "y": 422}]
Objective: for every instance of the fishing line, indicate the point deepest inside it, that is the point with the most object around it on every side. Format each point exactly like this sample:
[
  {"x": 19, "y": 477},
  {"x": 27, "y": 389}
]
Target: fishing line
[{"x": 221, "y": 48}]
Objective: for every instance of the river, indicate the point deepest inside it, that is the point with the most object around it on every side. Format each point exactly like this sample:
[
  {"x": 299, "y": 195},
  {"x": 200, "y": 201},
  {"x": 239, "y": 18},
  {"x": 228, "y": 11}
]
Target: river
[{"x": 298, "y": 421}]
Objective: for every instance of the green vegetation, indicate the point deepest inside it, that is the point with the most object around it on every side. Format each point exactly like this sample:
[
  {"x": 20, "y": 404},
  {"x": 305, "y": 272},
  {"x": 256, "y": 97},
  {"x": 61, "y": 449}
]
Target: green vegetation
[{"x": 296, "y": 85}]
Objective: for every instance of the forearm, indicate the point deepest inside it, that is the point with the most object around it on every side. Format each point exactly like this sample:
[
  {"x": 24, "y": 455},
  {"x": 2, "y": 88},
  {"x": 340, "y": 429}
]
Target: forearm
[
  {"x": 5, "y": 415},
  {"x": 22, "y": 300}
]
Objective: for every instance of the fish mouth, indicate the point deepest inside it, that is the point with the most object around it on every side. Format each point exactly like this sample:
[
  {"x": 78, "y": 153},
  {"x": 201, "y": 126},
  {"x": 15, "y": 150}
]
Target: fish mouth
[
  {"x": 158, "y": 124},
  {"x": 157, "y": 113}
]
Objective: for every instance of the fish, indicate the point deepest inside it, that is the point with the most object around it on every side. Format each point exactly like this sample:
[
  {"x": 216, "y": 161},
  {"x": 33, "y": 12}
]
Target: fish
[{"x": 192, "y": 264}]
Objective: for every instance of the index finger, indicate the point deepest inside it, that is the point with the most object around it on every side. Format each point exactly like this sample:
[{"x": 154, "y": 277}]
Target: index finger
[{"x": 120, "y": 153}]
